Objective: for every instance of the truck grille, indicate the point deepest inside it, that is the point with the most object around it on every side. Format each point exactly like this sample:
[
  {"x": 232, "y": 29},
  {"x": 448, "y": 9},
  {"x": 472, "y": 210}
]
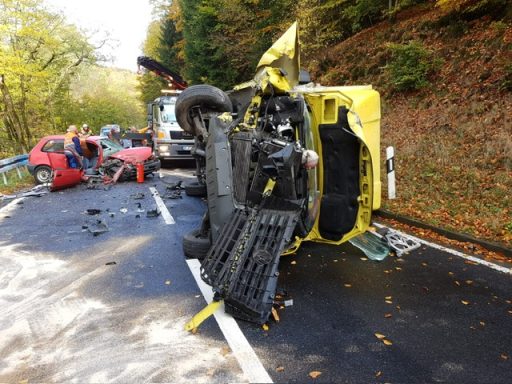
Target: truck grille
[{"x": 180, "y": 135}]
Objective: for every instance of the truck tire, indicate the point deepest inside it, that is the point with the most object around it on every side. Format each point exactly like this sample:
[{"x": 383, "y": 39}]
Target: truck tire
[
  {"x": 195, "y": 246},
  {"x": 195, "y": 189},
  {"x": 206, "y": 97}
]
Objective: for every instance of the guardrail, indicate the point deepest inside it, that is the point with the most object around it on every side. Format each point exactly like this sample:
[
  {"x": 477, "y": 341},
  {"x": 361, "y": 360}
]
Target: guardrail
[{"x": 11, "y": 163}]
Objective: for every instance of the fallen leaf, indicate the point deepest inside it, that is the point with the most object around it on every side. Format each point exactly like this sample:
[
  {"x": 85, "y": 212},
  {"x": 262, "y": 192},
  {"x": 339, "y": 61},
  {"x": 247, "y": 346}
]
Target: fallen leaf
[
  {"x": 378, "y": 374},
  {"x": 398, "y": 268},
  {"x": 398, "y": 307},
  {"x": 275, "y": 315},
  {"x": 293, "y": 262},
  {"x": 469, "y": 282},
  {"x": 167, "y": 282},
  {"x": 482, "y": 323},
  {"x": 388, "y": 315},
  {"x": 335, "y": 260},
  {"x": 464, "y": 302},
  {"x": 389, "y": 302},
  {"x": 470, "y": 262},
  {"x": 265, "y": 327},
  {"x": 388, "y": 297},
  {"x": 510, "y": 312},
  {"x": 504, "y": 356},
  {"x": 387, "y": 342},
  {"x": 314, "y": 374},
  {"x": 279, "y": 369},
  {"x": 387, "y": 271},
  {"x": 424, "y": 264},
  {"x": 363, "y": 258},
  {"x": 451, "y": 273},
  {"x": 379, "y": 336},
  {"x": 347, "y": 285},
  {"x": 225, "y": 351}
]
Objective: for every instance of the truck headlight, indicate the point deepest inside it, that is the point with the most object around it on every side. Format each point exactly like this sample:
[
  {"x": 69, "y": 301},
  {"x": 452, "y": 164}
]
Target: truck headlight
[{"x": 163, "y": 148}]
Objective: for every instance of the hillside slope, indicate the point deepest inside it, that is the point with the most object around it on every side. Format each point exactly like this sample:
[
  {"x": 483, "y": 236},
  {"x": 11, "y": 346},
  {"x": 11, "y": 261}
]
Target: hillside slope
[{"x": 453, "y": 139}]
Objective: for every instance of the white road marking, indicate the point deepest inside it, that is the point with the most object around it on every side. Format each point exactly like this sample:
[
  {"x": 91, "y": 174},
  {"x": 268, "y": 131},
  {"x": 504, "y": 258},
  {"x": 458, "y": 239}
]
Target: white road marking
[
  {"x": 242, "y": 350},
  {"x": 453, "y": 252},
  {"x": 161, "y": 206},
  {"x": 9, "y": 207}
]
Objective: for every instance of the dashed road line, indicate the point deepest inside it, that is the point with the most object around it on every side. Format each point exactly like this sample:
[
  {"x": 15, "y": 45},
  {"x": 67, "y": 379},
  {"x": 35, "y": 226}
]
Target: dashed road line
[
  {"x": 453, "y": 252},
  {"x": 161, "y": 206},
  {"x": 242, "y": 350}
]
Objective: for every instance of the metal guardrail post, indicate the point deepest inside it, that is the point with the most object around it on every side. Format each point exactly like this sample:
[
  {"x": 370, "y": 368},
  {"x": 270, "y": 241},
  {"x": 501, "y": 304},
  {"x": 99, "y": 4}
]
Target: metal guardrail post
[{"x": 12, "y": 163}]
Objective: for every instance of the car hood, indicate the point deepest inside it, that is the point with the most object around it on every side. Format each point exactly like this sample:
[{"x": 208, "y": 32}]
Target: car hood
[
  {"x": 283, "y": 54},
  {"x": 133, "y": 155}
]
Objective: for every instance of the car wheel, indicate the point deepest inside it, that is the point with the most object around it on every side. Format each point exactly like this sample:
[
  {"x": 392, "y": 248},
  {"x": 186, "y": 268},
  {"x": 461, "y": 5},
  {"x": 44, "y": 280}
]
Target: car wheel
[
  {"x": 195, "y": 189},
  {"x": 195, "y": 246},
  {"x": 206, "y": 97},
  {"x": 43, "y": 174}
]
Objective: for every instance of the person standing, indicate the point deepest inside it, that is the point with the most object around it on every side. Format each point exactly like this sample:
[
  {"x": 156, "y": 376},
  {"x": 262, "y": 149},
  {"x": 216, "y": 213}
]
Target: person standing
[
  {"x": 72, "y": 144},
  {"x": 85, "y": 132}
]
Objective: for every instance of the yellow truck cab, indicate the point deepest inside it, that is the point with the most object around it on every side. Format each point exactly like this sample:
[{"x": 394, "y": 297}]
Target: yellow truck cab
[{"x": 285, "y": 161}]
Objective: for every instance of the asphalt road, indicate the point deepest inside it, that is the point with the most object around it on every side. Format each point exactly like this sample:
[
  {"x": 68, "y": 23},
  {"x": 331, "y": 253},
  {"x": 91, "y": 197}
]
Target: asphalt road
[{"x": 67, "y": 313}]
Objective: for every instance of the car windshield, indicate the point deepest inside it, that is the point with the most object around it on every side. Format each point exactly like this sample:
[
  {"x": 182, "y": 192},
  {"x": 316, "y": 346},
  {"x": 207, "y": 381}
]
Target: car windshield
[{"x": 109, "y": 144}]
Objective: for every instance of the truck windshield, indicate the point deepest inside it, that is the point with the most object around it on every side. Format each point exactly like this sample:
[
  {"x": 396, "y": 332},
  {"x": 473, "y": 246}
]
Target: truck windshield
[{"x": 167, "y": 114}]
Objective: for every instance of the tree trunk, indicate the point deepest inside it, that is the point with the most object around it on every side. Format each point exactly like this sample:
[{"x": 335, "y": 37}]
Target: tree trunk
[{"x": 12, "y": 119}]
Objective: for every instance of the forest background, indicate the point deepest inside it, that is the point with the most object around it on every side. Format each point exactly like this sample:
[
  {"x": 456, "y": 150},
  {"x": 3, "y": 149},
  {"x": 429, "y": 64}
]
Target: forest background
[{"x": 443, "y": 68}]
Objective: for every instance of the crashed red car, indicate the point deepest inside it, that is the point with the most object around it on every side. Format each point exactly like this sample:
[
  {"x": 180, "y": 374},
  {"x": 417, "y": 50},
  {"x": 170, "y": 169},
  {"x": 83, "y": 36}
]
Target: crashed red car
[{"x": 47, "y": 161}]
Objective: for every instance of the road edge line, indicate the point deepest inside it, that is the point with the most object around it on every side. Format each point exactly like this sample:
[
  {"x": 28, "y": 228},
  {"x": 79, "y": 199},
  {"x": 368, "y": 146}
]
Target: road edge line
[
  {"x": 161, "y": 205},
  {"x": 247, "y": 359},
  {"x": 452, "y": 251},
  {"x": 9, "y": 205}
]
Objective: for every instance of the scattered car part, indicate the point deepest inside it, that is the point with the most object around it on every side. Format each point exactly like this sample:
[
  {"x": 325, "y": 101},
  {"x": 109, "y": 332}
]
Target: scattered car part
[
  {"x": 196, "y": 245},
  {"x": 153, "y": 212},
  {"x": 98, "y": 228},
  {"x": 373, "y": 246},
  {"x": 137, "y": 196},
  {"x": 93, "y": 211},
  {"x": 195, "y": 189}
]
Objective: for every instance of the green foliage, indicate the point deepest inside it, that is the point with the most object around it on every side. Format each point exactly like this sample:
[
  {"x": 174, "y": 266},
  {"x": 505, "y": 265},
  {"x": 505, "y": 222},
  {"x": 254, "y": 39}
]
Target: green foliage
[
  {"x": 364, "y": 13},
  {"x": 506, "y": 83},
  {"x": 39, "y": 54},
  {"x": 103, "y": 96},
  {"x": 410, "y": 66}
]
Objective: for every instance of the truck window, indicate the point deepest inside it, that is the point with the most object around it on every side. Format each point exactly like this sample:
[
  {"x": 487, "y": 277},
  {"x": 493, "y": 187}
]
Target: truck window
[{"x": 168, "y": 115}]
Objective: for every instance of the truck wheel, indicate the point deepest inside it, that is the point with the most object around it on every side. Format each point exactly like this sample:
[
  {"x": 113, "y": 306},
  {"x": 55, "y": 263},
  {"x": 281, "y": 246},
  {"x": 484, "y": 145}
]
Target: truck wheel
[
  {"x": 43, "y": 174},
  {"x": 195, "y": 246},
  {"x": 195, "y": 189},
  {"x": 205, "y": 97}
]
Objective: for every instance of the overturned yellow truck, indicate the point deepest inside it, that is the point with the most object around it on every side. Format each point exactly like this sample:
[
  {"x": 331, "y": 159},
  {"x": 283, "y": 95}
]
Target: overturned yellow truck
[{"x": 282, "y": 161}]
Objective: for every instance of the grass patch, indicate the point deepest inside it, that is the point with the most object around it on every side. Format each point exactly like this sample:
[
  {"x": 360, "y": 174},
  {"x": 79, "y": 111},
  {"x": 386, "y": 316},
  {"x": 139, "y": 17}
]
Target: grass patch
[{"x": 14, "y": 183}]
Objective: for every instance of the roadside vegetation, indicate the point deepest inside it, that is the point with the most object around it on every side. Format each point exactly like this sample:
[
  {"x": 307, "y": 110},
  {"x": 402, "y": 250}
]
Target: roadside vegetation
[
  {"x": 443, "y": 69},
  {"x": 50, "y": 77}
]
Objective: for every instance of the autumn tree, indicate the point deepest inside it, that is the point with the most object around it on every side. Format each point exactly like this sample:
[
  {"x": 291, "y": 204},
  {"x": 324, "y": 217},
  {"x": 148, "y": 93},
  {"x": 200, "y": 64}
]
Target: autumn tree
[{"x": 39, "y": 54}]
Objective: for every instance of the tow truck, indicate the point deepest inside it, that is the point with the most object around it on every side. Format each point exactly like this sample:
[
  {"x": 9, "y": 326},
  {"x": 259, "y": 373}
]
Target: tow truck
[{"x": 170, "y": 141}]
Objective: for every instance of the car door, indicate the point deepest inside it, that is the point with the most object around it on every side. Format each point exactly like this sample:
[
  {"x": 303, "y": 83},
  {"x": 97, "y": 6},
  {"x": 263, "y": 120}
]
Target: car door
[{"x": 63, "y": 175}]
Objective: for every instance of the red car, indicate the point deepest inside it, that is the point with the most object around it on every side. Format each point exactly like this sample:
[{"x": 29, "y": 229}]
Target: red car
[{"x": 48, "y": 163}]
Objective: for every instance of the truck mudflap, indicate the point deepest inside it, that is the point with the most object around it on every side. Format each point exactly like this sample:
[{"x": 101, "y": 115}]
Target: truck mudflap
[{"x": 242, "y": 264}]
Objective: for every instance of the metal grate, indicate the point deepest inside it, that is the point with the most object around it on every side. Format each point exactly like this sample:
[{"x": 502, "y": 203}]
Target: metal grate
[{"x": 241, "y": 266}]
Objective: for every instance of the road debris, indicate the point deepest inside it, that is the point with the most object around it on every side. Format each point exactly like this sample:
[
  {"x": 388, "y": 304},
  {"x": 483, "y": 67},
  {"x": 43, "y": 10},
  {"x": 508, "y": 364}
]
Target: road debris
[
  {"x": 137, "y": 196},
  {"x": 153, "y": 212},
  {"x": 93, "y": 211},
  {"x": 111, "y": 263},
  {"x": 98, "y": 228},
  {"x": 314, "y": 374},
  {"x": 175, "y": 186}
]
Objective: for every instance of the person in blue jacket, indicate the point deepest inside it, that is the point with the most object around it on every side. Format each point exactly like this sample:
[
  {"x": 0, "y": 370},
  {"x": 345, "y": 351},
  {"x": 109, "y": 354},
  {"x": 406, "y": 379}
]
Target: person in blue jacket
[{"x": 72, "y": 144}]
